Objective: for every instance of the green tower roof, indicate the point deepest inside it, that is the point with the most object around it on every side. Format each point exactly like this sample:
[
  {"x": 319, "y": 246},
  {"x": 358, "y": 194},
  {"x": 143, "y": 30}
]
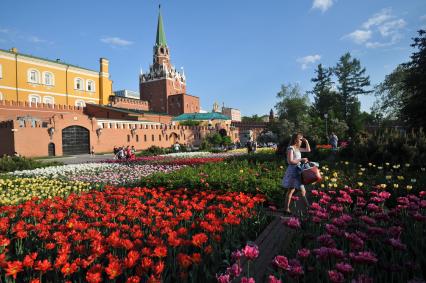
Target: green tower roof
[
  {"x": 161, "y": 36},
  {"x": 201, "y": 116}
]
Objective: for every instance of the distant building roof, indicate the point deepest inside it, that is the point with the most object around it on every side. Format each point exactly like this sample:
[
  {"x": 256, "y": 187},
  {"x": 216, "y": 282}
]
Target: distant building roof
[{"x": 201, "y": 116}]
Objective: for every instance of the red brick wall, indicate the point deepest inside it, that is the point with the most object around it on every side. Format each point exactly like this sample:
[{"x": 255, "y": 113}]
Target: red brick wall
[
  {"x": 33, "y": 141},
  {"x": 155, "y": 92},
  {"x": 183, "y": 103},
  {"x": 176, "y": 104},
  {"x": 158, "y": 91},
  {"x": 129, "y": 103},
  {"x": 191, "y": 104},
  {"x": 9, "y": 110}
]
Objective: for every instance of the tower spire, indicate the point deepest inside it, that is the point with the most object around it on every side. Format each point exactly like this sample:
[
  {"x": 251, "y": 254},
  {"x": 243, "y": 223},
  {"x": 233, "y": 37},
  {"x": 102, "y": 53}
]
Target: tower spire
[{"x": 161, "y": 36}]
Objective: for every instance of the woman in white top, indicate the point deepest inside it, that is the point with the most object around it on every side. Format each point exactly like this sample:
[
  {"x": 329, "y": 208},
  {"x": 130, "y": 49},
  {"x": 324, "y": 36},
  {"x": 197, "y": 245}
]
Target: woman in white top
[{"x": 292, "y": 178}]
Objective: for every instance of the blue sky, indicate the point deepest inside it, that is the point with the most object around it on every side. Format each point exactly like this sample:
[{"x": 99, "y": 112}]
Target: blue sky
[{"x": 236, "y": 52}]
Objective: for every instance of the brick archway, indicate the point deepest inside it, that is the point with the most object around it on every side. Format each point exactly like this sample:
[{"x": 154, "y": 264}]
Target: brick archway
[{"x": 173, "y": 138}]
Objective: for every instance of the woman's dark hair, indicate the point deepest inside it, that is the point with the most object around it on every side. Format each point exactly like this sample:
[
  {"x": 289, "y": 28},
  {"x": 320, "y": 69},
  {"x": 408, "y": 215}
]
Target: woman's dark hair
[{"x": 294, "y": 138}]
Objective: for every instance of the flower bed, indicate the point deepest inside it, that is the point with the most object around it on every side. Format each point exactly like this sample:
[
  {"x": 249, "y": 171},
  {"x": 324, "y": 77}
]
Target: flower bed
[
  {"x": 237, "y": 176},
  {"x": 122, "y": 175},
  {"x": 19, "y": 190},
  {"x": 350, "y": 234},
  {"x": 139, "y": 234},
  {"x": 100, "y": 173}
]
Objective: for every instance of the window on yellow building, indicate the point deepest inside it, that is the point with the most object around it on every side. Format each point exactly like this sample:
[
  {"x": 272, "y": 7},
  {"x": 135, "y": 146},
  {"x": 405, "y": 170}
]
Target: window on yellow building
[
  {"x": 48, "y": 78},
  {"x": 33, "y": 76},
  {"x": 78, "y": 84},
  {"x": 90, "y": 86},
  {"x": 34, "y": 99},
  {"x": 48, "y": 100},
  {"x": 1, "y": 72},
  {"x": 1, "y": 96}
]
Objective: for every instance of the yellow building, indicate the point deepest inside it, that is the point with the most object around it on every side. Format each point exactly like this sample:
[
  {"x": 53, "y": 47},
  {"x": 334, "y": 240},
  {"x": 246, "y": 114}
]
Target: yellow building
[{"x": 32, "y": 79}]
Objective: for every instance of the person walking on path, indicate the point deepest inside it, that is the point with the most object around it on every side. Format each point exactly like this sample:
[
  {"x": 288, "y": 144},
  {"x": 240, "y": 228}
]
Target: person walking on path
[
  {"x": 92, "y": 152},
  {"x": 333, "y": 140},
  {"x": 292, "y": 178}
]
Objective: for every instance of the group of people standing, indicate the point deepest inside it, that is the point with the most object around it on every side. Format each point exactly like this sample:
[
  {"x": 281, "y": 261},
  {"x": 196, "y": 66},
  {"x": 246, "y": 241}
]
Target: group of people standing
[
  {"x": 251, "y": 146},
  {"x": 123, "y": 152}
]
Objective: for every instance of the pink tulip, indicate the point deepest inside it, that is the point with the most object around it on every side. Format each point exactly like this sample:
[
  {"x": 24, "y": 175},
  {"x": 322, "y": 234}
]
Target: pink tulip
[
  {"x": 247, "y": 280},
  {"x": 281, "y": 262},
  {"x": 235, "y": 270},
  {"x": 295, "y": 268},
  {"x": 273, "y": 279},
  {"x": 344, "y": 267},
  {"x": 251, "y": 251},
  {"x": 292, "y": 222},
  {"x": 303, "y": 253},
  {"x": 223, "y": 278},
  {"x": 335, "y": 276}
]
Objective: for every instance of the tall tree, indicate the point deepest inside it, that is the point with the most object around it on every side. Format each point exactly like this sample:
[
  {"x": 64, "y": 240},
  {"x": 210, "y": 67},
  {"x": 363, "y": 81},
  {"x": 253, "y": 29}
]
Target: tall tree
[
  {"x": 390, "y": 94},
  {"x": 325, "y": 99},
  {"x": 352, "y": 82},
  {"x": 292, "y": 104},
  {"x": 415, "y": 83}
]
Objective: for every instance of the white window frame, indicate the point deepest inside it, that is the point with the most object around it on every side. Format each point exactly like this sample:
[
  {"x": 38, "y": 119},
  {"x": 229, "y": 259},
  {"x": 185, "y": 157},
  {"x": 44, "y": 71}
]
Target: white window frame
[
  {"x": 52, "y": 78},
  {"x": 31, "y": 96},
  {"x": 80, "y": 103},
  {"x": 37, "y": 79},
  {"x": 49, "y": 98},
  {"x": 1, "y": 71},
  {"x": 81, "y": 84},
  {"x": 93, "y": 85}
]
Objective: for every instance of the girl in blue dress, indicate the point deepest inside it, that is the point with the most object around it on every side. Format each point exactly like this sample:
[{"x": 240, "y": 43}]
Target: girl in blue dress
[{"x": 292, "y": 179}]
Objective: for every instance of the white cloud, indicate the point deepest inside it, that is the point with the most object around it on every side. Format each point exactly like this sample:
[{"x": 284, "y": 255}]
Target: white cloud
[
  {"x": 392, "y": 27},
  {"x": 4, "y": 30},
  {"x": 308, "y": 60},
  {"x": 322, "y": 5},
  {"x": 359, "y": 36},
  {"x": 116, "y": 41},
  {"x": 380, "y": 30},
  {"x": 378, "y": 18}
]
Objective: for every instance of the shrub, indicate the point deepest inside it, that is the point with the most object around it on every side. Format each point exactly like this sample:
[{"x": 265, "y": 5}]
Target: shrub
[
  {"x": 13, "y": 163},
  {"x": 391, "y": 146},
  {"x": 154, "y": 150}
]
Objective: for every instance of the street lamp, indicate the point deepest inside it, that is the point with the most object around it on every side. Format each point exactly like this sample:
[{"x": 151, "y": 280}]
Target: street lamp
[{"x": 326, "y": 127}]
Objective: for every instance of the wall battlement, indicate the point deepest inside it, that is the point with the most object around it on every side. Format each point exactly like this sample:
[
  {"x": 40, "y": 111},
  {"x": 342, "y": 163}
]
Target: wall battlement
[{"x": 25, "y": 105}]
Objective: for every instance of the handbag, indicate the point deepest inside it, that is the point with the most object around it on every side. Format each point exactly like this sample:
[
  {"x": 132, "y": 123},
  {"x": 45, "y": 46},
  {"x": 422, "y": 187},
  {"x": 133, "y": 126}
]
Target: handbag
[{"x": 311, "y": 174}]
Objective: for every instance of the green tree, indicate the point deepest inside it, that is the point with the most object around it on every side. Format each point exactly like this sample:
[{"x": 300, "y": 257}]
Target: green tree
[
  {"x": 415, "y": 83},
  {"x": 250, "y": 119},
  {"x": 352, "y": 82},
  {"x": 292, "y": 105},
  {"x": 390, "y": 94},
  {"x": 325, "y": 99}
]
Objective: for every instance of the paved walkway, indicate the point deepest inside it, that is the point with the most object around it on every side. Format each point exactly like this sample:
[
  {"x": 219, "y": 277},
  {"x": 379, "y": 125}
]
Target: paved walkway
[
  {"x": 83, "y": 158},
  {"x": 271, "y": 242}
]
